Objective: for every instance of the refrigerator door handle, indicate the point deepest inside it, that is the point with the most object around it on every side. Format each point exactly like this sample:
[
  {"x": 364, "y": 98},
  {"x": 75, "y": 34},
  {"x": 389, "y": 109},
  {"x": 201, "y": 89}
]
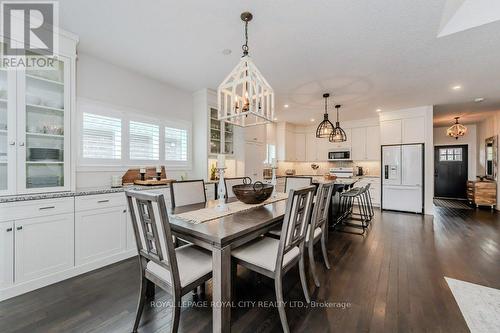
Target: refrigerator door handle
[{"x": 386, "y": 171}]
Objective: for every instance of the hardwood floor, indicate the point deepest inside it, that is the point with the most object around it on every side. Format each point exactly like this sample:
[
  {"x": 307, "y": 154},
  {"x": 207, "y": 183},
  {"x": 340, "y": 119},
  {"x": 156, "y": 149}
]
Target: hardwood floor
[{"x": 390, "y": 280}]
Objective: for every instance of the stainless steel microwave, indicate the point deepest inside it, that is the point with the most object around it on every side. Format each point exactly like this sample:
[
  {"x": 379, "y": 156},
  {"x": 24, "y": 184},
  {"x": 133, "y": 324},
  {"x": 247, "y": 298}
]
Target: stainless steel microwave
[{"x": 340, "y": 154}]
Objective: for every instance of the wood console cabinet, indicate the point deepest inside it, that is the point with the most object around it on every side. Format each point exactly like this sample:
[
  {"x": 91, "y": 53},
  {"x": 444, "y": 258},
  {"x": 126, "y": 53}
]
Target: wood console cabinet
[{"x": 482, "y": 193}]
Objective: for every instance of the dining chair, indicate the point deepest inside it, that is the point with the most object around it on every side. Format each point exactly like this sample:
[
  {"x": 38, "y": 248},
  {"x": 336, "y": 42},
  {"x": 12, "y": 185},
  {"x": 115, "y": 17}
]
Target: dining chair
[
  {"x": 296, "y": 182},
  {"x": 175, "y": 270},
  {"x": 318, "y": 228},
  {"x": 272, "y": 257},
  {"x": 187, "y": 192},
  {"x": 230, "y": 182}
]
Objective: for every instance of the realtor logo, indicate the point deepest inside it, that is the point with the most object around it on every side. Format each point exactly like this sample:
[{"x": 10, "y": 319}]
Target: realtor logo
[{"x": 29, "y": 30}]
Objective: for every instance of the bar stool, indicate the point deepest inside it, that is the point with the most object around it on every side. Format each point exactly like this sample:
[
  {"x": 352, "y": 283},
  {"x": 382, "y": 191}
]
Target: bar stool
[{"x": 364, "y": 214}]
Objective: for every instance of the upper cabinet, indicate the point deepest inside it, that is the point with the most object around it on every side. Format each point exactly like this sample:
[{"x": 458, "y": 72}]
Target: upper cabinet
[
  {"x": 221, "y": 135},
  {"x": 390, "y": 132},
  {"x": 35, "y": 125},
  {"x": 373, "y": 143},
  {"x": 365, "y": 143},
  {"x": 256, "y": 134},
  {"x": 358, "y": 147},
  {"x": 402, "y": 131}
]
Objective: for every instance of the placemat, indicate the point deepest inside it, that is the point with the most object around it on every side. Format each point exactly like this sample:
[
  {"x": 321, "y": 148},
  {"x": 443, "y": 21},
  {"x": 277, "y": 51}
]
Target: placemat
[{"x": 208, "y": 214}]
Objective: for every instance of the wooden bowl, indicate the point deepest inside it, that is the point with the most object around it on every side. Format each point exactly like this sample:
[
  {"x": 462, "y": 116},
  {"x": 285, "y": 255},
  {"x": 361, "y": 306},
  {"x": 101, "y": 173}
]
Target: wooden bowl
[{"x": 253, "y": 193}]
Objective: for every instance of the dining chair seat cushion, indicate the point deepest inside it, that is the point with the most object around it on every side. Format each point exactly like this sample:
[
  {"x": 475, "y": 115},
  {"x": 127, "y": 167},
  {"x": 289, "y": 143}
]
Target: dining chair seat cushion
[
  {"x": 192, "y": 262},
  {"x": 263, "y": 253},
  {"x": 317, "y": 232}
]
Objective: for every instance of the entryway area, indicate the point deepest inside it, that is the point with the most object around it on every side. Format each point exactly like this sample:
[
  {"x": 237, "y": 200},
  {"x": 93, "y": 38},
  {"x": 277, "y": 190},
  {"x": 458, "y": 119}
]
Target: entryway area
[{"x": 450, "y": 172}]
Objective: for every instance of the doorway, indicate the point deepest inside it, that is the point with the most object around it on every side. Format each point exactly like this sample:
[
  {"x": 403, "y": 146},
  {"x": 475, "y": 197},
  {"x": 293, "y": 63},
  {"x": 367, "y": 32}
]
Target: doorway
[{"x": 450, "y": 171}]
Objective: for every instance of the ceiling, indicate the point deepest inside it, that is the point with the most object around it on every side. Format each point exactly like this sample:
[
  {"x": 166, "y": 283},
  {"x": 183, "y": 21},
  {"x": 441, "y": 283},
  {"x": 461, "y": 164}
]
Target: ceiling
[{"x": 367, "y": 54}]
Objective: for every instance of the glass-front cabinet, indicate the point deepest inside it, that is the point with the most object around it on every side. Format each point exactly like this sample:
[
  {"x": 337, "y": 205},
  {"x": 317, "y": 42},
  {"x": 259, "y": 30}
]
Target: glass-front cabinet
[{"x": 220, "y": 135}]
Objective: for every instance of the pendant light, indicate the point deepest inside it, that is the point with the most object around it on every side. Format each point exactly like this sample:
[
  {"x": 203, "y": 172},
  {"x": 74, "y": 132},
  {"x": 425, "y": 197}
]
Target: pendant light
[
  {"x": 338, "y": 134},
  {"x": 245, "y": 98},
  {"x": 325, "y": 128},
  {"x": 456, "y": 130}
]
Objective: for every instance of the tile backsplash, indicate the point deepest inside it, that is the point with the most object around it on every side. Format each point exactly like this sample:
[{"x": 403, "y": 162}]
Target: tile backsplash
[{"x": 371, "y": 168}]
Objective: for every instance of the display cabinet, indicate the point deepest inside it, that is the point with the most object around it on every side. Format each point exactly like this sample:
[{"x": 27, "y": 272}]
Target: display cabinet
[{"x": 220, "y": 135}]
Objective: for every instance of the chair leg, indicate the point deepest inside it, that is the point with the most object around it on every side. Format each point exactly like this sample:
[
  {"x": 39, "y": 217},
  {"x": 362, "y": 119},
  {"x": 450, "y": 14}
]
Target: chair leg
[
  {"x": 176, "y": 313},
  {"x": 312, "y": 264},
  {"x": 303, "y": 280},
  {"x": 323, "y": 249},
  {"x": 140, "y": 304},
  {"x": 281, "y": 304}
]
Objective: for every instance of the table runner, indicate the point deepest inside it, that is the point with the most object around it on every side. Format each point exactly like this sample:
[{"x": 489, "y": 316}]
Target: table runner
[{"x": 208, "y": 214}]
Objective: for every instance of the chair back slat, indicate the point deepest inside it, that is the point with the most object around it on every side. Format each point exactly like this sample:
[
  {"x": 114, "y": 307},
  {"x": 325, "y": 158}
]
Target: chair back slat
[
  {"x": 230, "y": 182},
  {"x": 296, "y": 182},
  {"x": 187, "y": 192},
  {"x": 321, "y": 206},
  {"x": 152, "y": 232}
]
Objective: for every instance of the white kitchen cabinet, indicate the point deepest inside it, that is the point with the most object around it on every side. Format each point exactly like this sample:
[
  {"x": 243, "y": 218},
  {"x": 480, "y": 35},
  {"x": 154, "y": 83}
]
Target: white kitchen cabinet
[
  {"x": 413, "y": 130},
  {"x": 255, "y": 134},
  {"x": 312, "y": 148},
  {"x": 373, "y": 143},
  {"x": 6, "y": 254},
  {"x": 322, "y": 148},
  {"x": 358, "y": 148},
  {"x": 221, "y": 134},
  {"x": 300, "y": 147},
  {"x": 391, "y": 132},
  {"x": 99, "y": 233},
  {"x": 43, "y": 246},
  {"x": 255, "y": 155},
  {"x": 374, "y": 188},
  {"x": 290, "y": 146}
]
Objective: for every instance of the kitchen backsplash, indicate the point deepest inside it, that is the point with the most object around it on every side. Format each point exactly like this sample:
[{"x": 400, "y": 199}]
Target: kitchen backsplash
[{"x": 370, "y": 168}]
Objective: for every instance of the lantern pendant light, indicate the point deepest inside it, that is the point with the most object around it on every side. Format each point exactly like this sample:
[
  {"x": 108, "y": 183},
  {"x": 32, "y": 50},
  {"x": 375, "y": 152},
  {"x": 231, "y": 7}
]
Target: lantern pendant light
[
  {"x": 245, "y": 98},
  {"x": 338, "y": 134},
  {"x": 325, "y": 128},
  {"x": 456, "y": 130}
]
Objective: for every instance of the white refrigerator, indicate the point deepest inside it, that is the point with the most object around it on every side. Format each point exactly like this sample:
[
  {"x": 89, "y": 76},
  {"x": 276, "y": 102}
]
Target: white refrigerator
[{"x": 402, "y": 178}]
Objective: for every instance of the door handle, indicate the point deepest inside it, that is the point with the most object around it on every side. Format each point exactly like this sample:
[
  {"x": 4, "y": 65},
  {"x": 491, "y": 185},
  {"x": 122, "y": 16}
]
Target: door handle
[
  {"x": 8, "y": 229},
  {"x": 48, "y": 207},
  {"x": 12, "y": 142},
  {"x": 21, "y": 144},
  {"x": 19, "y": 228},
  {"x": 103, "y": 201}
]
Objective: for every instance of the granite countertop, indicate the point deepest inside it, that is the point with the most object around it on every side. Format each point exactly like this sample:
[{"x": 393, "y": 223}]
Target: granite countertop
[{"x": 78, "y": 192}]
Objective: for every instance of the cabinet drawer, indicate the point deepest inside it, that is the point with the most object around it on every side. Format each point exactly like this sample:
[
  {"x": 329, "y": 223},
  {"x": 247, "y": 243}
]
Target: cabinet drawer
[
  {"x": 97, "y": 201},
  {"x": 35, "y": 208}
]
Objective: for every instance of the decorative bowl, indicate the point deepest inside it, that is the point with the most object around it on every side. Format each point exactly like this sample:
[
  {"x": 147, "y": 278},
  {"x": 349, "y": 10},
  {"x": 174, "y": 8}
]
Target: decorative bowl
[{"x": 253, "y": 193}]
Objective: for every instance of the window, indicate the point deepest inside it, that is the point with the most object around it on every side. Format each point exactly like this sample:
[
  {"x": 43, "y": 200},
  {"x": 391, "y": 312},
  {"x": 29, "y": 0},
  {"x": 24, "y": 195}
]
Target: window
[
  {"x": 144, "y": 141},
  {"x": 176, "y": 144},
  {"x": 101, "y": 137},
  {"x": 450, "y": 154}
]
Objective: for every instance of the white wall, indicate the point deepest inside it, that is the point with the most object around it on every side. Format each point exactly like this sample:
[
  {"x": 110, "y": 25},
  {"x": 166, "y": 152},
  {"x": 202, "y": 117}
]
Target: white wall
[
  {"x": 485, "y": 129},
  {"x": 104, "y": 82},
  {"x": 470, "y": 139}
]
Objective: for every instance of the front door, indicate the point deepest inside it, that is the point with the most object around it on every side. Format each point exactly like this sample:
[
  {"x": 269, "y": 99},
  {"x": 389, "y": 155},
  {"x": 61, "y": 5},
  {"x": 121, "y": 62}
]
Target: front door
[{"x": 450, "y": 171}]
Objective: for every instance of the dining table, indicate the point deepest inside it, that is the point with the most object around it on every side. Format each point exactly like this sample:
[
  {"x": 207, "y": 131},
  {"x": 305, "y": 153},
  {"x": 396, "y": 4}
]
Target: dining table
[{"x": 220, "y": 236}]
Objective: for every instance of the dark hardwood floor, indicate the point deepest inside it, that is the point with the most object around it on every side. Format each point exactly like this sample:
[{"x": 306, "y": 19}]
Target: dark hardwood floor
[{"x": 390, "y": 280}]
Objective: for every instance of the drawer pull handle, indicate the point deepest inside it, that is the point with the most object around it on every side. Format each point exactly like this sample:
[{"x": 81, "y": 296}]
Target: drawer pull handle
[
  {"x": 103, "y": 201},
  {"x": 8, "y": 229},
  {"x": 20, "y": 227},
  {"x": 48, "y": 207}
]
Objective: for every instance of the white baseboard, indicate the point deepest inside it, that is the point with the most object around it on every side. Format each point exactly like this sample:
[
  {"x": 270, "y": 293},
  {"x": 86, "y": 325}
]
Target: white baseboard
[{"x": 22, "y": 288}]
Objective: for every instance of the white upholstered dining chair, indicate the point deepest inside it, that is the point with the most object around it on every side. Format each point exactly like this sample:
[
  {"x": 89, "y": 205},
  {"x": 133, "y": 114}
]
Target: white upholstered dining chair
[
  {"x": 175, "y": 270},
  {"x": 187, "y": 192},
  {"x": 318, "y": 228},
  {"x": 230, "y": 182},
  {"x": 296, "y": 182},
  {"x": 272, "y": 257}
]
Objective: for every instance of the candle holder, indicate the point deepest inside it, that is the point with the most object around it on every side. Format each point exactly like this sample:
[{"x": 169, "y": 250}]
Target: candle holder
[
  {"x": 158, "y": 175},
  {"x": 142, "y": 175},
  {"x": 273, "y": 182},
  {"x": 221, "y": 191}
]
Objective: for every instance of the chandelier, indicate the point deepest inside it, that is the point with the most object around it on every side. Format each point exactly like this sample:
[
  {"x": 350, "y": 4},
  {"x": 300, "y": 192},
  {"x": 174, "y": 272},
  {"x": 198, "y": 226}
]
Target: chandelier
[
  {"x": 456, "y": 130},
  {"x": 325, "y": 127},
  {"x": 338, "y": 134},
  {"x": 245, "y": 98}
]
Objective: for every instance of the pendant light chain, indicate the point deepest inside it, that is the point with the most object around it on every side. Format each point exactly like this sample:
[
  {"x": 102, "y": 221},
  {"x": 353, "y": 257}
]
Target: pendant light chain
[{"x": 245, "y": 46}]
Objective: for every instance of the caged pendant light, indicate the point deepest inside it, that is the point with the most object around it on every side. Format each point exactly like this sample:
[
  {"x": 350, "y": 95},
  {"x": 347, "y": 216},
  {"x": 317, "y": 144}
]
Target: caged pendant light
[
  {"x": 456, "y": 130},
  {"x": 245, "y": 98},
  {"x": 325, "y": 128},
  {"x": 338, "y": 134}
]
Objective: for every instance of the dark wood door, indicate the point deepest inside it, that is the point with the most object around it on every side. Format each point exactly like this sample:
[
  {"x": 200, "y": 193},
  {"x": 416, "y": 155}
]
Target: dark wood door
[{"x": 450, "y": 171}]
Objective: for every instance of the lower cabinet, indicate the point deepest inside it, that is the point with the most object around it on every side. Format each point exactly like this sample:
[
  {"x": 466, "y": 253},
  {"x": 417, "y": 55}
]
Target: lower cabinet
[
  {"x": 99, "y": 233},
  {"x": 6, "y": 254},
  {"x": 375, "y": 191},
  {"x": 43, "y": 246}
]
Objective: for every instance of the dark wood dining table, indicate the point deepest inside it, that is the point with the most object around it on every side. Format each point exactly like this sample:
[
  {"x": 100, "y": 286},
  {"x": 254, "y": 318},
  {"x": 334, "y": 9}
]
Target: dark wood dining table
[{"x": 220, "y": 236}]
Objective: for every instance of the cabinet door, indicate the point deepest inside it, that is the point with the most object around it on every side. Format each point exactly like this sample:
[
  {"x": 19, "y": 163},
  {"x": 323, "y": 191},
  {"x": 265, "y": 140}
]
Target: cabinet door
[
  {"x": 43, "y": 246},
  {"x": 373, "y": 143},
  {"x": 322, "y": 146},
  {"x": 358, "y": 149},
  {"x": 43, "y": 128},
  {"x": 390, "y": 132},
  {"x": 290, "y": 146},
  {"x": 6, "y": 254},
  {"x": 214, "y": 132},
  {"x": 414, "y": 130},
  {"x": 255, "y": 134},
  {"x": 311, "y": 147},
  {"x": 99, "y": 234},
  {"x": 7, "y": 130},
  {"x": 300, "y": 147}
]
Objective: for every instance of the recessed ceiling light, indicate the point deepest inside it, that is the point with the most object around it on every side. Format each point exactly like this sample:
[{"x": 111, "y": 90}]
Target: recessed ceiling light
[
  {"x": 312, "y": 119},
  {"x": 457, "y": 87},
  {"x": 378, "y": 110},
  {"x": 275, "y": 119},
  {"x": 227, "y": 51},
  {"x": 286, "y": 106},
  {"x": 479, "y": 99}
]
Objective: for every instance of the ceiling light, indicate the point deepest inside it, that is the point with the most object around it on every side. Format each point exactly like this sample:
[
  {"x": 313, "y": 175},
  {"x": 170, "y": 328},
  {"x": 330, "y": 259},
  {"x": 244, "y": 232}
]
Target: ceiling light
[
  {"x": 456, "y": 130},
  {"x": 325, "y": 127},
  {"x": 286, "y": 106},
  {"x": 457, "y": 87},
  {"x": 245, "y": 98},
  {"x": 479, "y": 99},
  {"x": 275, "y": 118},
  {"x": 379, "y": 110},
  {"x": 338, "y": 134},
  {"x": 312, "y": 119}
]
